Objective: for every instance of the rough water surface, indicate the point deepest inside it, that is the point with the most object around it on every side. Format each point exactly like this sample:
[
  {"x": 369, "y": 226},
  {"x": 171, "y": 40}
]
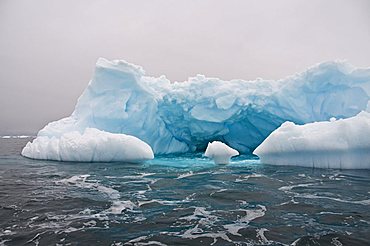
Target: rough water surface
[{"x": 183, "y": 200}]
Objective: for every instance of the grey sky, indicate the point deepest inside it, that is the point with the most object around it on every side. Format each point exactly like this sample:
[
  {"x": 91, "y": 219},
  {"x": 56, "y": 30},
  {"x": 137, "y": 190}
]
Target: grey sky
[{"x": 48, "y": 48}]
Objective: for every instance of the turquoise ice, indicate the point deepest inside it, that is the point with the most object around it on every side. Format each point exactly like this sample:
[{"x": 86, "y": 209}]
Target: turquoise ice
[{"x": 184, "y": 116}]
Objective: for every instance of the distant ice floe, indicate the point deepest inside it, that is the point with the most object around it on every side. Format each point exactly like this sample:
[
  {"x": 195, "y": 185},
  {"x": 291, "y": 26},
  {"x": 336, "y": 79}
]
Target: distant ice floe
[
  {"x": 15, "y": 136},
  {"x": 343, "y": 144},
  {"x": 219, "y": 152},
  {"x": 92, "y": 145},
  {"x": 184, "y": 116}
]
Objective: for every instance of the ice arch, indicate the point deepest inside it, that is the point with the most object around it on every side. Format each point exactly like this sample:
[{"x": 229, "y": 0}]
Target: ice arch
[{"x": 184, "y": 116}]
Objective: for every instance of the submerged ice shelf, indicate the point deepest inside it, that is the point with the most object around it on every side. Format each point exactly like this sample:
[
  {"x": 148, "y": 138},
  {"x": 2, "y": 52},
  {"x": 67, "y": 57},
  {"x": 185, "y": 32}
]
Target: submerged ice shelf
[{"x": 182, "y": 117}]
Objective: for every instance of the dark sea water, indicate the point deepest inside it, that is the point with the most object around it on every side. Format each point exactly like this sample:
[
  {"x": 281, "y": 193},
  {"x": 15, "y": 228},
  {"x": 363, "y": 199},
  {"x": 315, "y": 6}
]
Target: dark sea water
[{"x": 183, "y": 200}]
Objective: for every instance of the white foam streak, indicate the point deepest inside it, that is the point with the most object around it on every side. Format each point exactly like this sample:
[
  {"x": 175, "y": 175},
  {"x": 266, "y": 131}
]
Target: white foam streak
[
  {"x": 119, "y": 206},
  {"x": 81, "y": 181}
]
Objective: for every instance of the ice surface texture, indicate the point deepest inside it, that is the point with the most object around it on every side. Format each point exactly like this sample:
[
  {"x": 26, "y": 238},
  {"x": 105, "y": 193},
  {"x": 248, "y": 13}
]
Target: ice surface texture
[
  {"x": 91, "y": 146},
  {"x": 184, "y": 116},
  {"x": 220, "y": 153},
  {"x": 343, "y": 143}
]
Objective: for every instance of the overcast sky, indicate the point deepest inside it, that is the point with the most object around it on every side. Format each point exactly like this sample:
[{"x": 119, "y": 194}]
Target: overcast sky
[{"x": 48, "y": 48}]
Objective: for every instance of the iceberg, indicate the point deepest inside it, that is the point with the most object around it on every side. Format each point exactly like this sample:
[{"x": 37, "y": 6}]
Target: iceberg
[
  {"x": 343, "y": 143},
  {"x": 219, "y": 152},
  {"x": 92, "y": 145},
  {"x": 178, "y": 117}
]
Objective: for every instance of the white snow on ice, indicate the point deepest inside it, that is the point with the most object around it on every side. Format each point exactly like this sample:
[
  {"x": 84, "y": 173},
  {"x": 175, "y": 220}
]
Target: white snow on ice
[
  {"x": 91, "y": 146},
  {"x": 343, "y": 144},
  {"x": 219, "y": 152}
]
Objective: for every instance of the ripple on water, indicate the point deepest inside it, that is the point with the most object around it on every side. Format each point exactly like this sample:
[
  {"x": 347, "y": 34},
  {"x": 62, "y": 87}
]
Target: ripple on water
[{"x": 193, "y": 203}]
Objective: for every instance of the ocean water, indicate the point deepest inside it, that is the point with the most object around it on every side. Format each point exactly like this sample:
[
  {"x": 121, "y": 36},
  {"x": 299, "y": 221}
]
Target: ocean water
[{"x": 178, "y": 200}]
